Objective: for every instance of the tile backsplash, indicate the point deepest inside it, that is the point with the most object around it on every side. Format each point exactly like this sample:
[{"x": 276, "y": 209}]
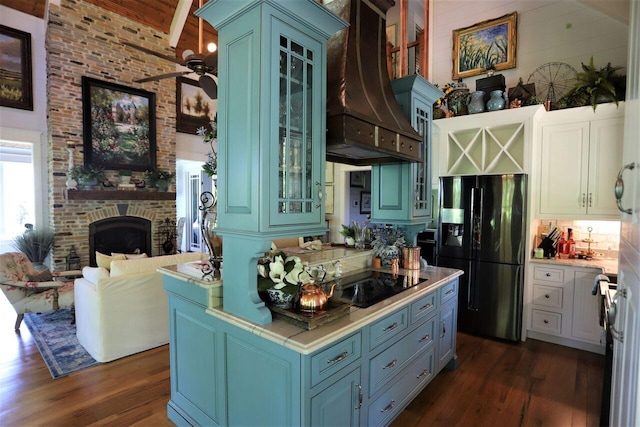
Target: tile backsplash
[{"x": 605, "y": 234}]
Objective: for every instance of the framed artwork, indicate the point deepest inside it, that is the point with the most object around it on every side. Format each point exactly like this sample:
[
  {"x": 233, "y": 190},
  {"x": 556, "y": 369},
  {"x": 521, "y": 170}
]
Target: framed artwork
[
  {"x": 491, "y": 43},
  {"x": 194, "y": 108},
  {"x": 356, "y": 179},
  {"x": 15, "y": 69},
  {"x": 365, "y": 202},
  {"x": 119, "y": 126}
]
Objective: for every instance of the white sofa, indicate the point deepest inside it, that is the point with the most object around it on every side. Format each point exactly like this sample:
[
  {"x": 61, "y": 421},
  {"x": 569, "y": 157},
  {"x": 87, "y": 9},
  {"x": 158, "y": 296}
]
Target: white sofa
[{"x": 125, "y": 310}]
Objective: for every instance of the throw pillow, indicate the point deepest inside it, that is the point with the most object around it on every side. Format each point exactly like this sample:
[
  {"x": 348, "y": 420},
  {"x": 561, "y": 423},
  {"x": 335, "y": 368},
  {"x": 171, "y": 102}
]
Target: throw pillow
[
  {"x": 130, "y": 256},
  {"x": 42, "y": 276},
  {"x": 95, "y": 274},
  {"x": 104, "y": 261}
]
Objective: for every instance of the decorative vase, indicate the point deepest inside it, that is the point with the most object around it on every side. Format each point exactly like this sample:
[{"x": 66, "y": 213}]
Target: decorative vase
[
  {"x": 476, "y": 102},
  {"x": 349, "y": 241},
  {"x": 389, "y": 253},
  {"x": 279, "y": 298},
  {"x": 162, "y": 186},
  {"x": 125, "y": 179},
  {"x": 457, "y": 102},
  {"x": 496, "y": 102}
]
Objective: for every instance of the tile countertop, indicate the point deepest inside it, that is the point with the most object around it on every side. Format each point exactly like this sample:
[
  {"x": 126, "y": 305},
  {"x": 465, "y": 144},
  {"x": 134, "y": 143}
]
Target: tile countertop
[
  {"x": 307, "y": 341},
  {"x": 607, "y": 265}
]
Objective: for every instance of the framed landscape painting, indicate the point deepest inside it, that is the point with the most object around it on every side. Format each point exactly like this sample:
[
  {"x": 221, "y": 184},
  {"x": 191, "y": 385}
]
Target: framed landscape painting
[
  {"x": 194, "y": 108},
  {"x": 485, "y": 45},
  {"x": 15, "y": 69},
  {"x": 119, "y": 127}
]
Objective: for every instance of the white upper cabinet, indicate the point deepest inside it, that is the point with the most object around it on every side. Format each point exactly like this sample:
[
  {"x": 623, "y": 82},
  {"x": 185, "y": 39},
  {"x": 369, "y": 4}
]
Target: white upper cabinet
[{"x": 580, "y": 155}]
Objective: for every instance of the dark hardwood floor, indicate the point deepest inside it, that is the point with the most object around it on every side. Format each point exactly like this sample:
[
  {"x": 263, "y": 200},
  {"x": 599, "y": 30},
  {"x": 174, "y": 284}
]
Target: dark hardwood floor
[{"x": 496, "y": 384}]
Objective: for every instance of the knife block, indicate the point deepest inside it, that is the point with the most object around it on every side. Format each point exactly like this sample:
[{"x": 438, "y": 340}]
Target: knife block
[{"x": 548, "y": 247}]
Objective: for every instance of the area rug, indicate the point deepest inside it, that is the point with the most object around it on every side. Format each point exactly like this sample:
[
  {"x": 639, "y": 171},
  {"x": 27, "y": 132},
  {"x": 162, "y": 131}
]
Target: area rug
[{"x": 56, "y": 339}]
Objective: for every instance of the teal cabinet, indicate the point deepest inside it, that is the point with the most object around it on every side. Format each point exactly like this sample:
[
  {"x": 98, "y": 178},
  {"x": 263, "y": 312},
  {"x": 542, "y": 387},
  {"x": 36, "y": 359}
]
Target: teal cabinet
[
  {"x": 339, "y": 404},
  {"x": 401, "y": 193},
  {"x": 271, "y": 113},
  {"x": 225, "y": 371}
]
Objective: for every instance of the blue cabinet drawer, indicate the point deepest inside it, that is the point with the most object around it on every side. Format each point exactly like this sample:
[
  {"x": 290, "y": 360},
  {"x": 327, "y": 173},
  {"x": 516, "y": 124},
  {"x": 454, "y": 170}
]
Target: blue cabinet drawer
[
  {"x": 395, "y": 358},
  {"x": 448, "y": 291},
  {"x": 330, "y": 360},
  {"x": 387, "y": 328},
  {"x": 424, "y": 307},
  {"x": 396, "y": 398}
]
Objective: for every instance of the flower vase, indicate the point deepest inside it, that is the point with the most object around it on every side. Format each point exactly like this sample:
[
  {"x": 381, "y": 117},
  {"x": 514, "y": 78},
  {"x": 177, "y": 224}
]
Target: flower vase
[
  {"x": 389, "y": 253},
  {"x": 280, "y": 299}
]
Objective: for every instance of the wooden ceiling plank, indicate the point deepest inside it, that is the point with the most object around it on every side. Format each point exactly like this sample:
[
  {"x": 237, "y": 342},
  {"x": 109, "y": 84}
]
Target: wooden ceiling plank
[
  {"x": 32, "y": 7},
  {"x": 179, "y": 20},
  {"x": 155, "y": 15}
]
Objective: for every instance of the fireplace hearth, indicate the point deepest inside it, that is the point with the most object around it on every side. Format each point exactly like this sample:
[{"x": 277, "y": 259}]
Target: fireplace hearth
[{"x": 122, "y": 234}]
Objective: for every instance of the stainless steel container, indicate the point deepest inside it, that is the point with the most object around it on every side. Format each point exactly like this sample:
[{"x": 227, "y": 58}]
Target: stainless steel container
[{"x": 411, "y": 257}]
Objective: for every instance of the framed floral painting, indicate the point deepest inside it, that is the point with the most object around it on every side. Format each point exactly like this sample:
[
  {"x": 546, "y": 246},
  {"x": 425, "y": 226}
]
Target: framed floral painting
[
  {"x": 119, "y": 126},
  {"x": 15, "y": 69},
  {"x": 486, "y": 45}
]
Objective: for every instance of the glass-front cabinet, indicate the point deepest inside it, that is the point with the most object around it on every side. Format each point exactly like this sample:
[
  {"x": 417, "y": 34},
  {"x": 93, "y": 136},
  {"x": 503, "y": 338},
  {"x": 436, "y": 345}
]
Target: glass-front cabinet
[
  {"x": 402, "y": 191},
  {"x": 299, "y": 149}
]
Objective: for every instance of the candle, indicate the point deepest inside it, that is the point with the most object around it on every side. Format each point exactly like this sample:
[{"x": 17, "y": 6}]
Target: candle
[{"x": 71, "y": 144}]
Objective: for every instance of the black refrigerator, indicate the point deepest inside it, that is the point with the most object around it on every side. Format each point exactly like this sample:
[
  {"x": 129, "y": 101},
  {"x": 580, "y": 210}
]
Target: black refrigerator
[{"x": 481, "y": 230}]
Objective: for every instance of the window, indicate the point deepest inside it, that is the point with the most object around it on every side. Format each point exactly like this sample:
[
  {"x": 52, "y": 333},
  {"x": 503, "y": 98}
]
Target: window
[{"x": 17, "y": 201}]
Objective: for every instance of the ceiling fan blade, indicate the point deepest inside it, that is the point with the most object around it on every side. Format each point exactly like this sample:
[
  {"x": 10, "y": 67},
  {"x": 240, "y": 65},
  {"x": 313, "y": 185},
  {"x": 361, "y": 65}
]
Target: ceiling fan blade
[
  {"x": 163, "y": 76},
  {"x": 153, "y": 52},
  {"x": 209, "y": 86},
  {"x": 211, "y": 60}
]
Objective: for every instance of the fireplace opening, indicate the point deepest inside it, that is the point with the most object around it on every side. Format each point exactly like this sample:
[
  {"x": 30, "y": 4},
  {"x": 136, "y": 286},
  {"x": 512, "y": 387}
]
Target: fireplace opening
[{"x": 123, "y": 234}]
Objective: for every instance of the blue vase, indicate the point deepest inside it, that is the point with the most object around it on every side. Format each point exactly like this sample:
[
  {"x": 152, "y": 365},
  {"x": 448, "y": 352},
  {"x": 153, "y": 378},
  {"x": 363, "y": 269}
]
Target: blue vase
[
  {"x": 389, "y": 253},
  {"x": 476, "y": 102},
  {"x": 496, "y": 102}
]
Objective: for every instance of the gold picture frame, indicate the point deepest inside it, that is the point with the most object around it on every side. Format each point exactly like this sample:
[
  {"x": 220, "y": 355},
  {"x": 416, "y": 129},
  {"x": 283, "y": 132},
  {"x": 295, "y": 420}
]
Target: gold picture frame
[{"x": 483, "y": 45}]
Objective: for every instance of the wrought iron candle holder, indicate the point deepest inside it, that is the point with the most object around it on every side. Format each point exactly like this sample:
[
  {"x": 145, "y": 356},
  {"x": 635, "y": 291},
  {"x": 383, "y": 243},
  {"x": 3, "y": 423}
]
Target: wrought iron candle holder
[{"x": 208, "y": 227}]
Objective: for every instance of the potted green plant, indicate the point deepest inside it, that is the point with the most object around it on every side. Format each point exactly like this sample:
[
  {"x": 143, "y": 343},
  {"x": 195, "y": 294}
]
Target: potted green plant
[
  {"x": 35, "y": 244},
  {"x": 159, "y": 179},
  {"x": 387, "y": 243},
  {"x": 349, "y": 234},
  {"x": 87, "y": 176},
  {"x": 596, "y": 86},
  {"x": 125, "y": 176}
]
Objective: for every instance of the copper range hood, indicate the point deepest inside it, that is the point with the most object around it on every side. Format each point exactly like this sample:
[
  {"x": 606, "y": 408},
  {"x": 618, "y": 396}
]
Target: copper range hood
[{"x": 365, "y": 124}]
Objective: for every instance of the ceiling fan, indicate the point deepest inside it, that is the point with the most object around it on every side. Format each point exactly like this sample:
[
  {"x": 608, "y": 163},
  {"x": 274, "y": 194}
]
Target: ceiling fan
[{"x": 199, "y": 63}]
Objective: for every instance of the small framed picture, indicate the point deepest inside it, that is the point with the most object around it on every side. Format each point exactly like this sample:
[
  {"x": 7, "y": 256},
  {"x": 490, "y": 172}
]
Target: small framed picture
[
  {"x": 365, "y": 202},
  {"x": 15, "y": 64},
  {"x": 356, "y": 179}
]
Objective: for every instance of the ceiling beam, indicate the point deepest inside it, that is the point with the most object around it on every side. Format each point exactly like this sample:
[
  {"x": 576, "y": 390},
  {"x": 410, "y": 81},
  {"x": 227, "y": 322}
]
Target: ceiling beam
[{"x": 179, "y": 19}]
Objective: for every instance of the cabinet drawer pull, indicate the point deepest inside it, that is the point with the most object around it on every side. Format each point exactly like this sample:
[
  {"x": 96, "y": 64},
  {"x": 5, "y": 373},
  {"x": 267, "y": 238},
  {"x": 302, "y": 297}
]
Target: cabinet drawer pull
[
  {"x": 426, "y": 306},
  {"x": 340, "y": 358},
  {"x": 590, "y": 199},
  {"x": 583, "y": 200},
  {"x": 444, "y": 330},
  {"x": 389, "y": 406},
  {"x": 425, "y": 338},
  {"x": 545, "y": 321},
  {"x": 548, "y": 274},
  {"x": 359, "y": 396},
  {"x": 422, "y": 374},
  {"x": 391, "y": 327},
  {"x": 391, "y": 364},
  {"x": 547, "y": 296},
  {"x": 450, "y": 291}
]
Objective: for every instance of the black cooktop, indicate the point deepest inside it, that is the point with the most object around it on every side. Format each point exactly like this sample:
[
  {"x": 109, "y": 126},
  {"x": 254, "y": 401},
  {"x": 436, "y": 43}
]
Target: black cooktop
[{"x": 370, "y": 287}]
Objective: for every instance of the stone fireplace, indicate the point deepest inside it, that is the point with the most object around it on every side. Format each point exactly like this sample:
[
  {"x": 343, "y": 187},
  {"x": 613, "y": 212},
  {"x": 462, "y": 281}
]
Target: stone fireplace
[{"x": 86, "y": 40}]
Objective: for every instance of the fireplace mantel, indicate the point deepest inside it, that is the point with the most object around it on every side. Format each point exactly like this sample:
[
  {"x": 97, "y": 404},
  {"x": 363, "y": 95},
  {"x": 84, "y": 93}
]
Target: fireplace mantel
[{"x": 119, "y": 195}]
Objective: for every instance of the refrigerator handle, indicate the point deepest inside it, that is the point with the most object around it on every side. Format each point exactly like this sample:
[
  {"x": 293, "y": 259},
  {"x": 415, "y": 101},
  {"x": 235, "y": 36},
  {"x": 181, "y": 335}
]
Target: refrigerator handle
[{"x": 476, "y": 220}]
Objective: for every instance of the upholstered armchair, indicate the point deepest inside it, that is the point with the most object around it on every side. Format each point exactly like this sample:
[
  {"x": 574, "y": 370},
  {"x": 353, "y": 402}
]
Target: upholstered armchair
[{"x": 32, "y": 291}]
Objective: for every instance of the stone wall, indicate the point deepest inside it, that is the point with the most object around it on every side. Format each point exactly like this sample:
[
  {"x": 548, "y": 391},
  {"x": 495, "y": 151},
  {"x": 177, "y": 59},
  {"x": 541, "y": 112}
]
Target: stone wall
[{"x": 86, "y": 40}]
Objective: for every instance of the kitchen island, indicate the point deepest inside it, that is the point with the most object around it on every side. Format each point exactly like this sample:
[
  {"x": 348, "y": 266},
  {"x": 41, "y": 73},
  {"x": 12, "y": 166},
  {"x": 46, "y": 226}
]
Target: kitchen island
[{"x": 360, "y": 369}]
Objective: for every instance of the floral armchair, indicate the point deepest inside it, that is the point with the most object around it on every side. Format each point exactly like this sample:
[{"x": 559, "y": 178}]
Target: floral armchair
[{"x": 29, "y": 290}]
